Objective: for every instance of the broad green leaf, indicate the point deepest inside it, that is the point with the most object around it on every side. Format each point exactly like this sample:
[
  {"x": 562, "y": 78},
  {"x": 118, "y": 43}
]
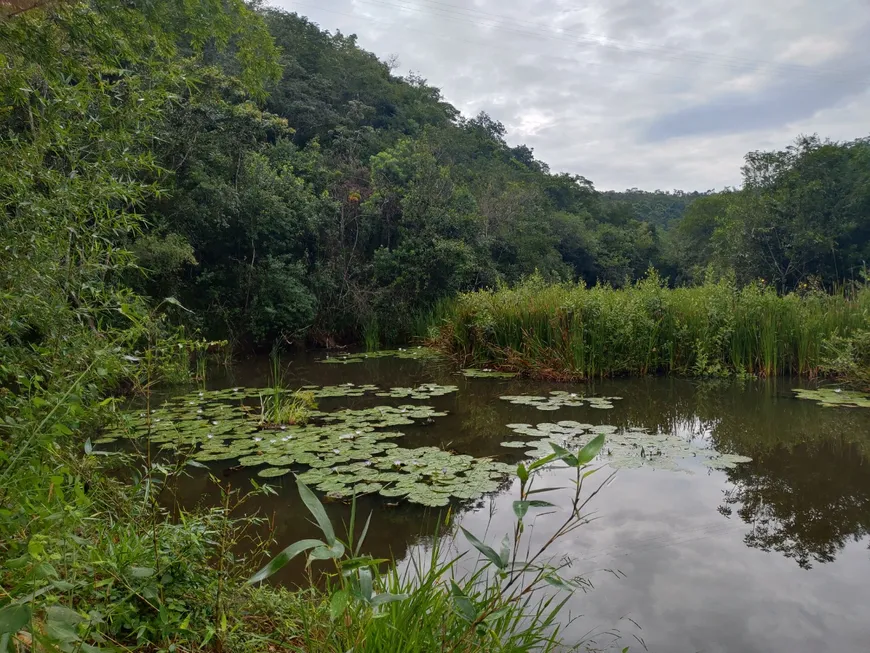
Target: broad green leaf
[
  {"x": 62, "y": 614},
  {"x": 487, "y": 551},
  {"x": 540, "y": 462},
  {"x": 357, "y": 563},
  {"x": 588, "y": 453},
  {"x": 365, "y": 584},
  {"x": 316, "y": 509},
  {"x": 142, "y": 572},
  {"x": 563, "y": 454},
  {"x": 283, "y": 558},
  {"x": 333, "y": 552},
  {"x": 522, "y": 507},
  {"x": 386, "y": 597},
  {"x": 463, "y": 604},
  {"x": 362, "y": 537},
  {"x": 14, "y": 617},
  {"x": 498, "y": 614},
  {"x": 505, "y": 553},
  {"x": 338, "y": 604}
]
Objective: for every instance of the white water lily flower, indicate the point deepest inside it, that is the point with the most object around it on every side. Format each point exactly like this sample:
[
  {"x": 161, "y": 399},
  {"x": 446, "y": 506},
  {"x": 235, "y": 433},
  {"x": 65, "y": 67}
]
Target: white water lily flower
[
  {"x": 336, "y": 451},
  {"x": 202, "y": 394},
  {"x": 258, "y": 439},
  {"x": 358, "y": 432},
  {"x": 209, "y": 436},
  {"x": 573, "y": 394},
  {"x": 199, "y": 412},
  {"x": 272, "y": 441},
  {"x": 397, "y": 462},
  {"x": 283, "y": 428},
  {"x": 214, "y": 423}
]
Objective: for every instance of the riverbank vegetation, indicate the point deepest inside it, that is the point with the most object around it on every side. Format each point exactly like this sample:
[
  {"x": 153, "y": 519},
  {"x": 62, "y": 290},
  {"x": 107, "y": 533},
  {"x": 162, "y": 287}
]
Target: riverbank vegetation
[{"x": 715, "y": 329}]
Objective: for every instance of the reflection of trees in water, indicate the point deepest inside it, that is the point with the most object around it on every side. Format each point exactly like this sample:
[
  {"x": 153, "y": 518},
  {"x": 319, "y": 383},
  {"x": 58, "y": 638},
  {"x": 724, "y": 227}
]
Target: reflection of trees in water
[
  {"x": 805, "y": 503},
  {"x": 806, "y": 493}
]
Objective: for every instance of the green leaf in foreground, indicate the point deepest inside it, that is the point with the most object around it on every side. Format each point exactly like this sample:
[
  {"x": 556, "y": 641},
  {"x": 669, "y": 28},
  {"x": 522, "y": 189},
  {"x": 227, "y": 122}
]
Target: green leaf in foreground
[
  {"x": 316, "y": 509},
  {"x": 13, "y": 618},
  {"x": 487, "y": 551},
  {"x": 278, "y": 562}
]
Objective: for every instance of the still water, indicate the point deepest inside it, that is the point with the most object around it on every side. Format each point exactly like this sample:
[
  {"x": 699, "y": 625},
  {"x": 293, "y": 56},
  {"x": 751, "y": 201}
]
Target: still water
[{"x": 771, "y": 556}]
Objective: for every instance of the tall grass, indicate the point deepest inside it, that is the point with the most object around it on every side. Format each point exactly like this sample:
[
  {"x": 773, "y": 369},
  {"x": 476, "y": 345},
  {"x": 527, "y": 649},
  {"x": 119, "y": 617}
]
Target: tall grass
[{"x": 575, "y": 332}]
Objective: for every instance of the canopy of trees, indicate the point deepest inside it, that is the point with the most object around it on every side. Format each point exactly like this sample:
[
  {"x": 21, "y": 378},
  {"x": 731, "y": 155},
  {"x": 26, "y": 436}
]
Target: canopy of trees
[{"x": 279, "y": 181}]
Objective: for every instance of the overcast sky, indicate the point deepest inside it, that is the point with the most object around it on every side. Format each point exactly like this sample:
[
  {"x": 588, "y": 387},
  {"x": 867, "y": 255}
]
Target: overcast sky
[{"x": 632, "y": 93}]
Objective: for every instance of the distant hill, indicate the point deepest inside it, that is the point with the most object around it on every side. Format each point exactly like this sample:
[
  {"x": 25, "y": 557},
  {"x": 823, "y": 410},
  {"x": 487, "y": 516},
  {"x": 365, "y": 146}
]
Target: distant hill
[{"x": 659, "y": 207}]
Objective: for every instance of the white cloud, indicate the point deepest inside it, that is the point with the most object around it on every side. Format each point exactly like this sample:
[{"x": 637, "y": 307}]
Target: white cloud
[{"x": 655, "y": 94}]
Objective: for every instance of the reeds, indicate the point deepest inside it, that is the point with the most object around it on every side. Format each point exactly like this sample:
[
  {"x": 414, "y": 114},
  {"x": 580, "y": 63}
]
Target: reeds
[{"x": 571, "y": 331}]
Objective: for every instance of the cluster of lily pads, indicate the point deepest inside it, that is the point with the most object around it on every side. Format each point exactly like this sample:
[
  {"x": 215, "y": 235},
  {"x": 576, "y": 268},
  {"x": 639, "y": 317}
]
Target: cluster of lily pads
[
  {"x": 414, "y": 353},
  {"x": 486, "y": 373},
  {"x": 830, "y": 397},
  {"x": 624, "y": 448},
  {"x": 561, "y": 399},
  {"x": 424, "y": 391},
  {"x": 346, "y": 452}
]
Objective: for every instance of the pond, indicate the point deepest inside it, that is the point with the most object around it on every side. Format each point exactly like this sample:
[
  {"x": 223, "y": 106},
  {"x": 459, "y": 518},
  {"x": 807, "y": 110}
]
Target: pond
[{"x": 749, "y": 533}]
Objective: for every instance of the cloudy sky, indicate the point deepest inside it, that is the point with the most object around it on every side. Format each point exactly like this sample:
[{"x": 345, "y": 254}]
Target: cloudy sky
[{"x": 632, "y": 93}]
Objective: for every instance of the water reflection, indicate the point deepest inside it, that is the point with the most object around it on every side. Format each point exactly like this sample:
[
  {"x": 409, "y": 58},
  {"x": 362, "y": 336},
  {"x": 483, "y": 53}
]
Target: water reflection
[{"x": 709, "y": 557}]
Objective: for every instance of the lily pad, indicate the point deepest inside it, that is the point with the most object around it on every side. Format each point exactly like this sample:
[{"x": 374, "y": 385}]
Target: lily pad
[
  {"x": 486, "y": 373},
  {"x": 342, "y": 453},
  {"x": 830, "y": 397},
  {"x": 624, "y": 448},
  {"x": 414, "y": 353},
  {"x": 561, "y": 399},
  {"x": 425, "y": 391}
]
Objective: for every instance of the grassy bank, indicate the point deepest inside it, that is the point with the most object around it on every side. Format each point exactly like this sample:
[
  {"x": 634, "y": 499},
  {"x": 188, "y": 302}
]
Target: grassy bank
[{"x": 574, "y": 332}]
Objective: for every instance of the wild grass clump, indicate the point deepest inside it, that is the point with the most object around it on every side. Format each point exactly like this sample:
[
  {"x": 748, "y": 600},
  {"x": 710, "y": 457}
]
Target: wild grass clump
[
  {"x": 572, "y": 331},
  {"x": 279, "y": 406}
]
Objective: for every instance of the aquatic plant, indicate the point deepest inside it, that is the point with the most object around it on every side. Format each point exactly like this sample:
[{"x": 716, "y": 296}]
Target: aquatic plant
[
  {"x": 347, "y": 452},
  {"x": 561, "y": 399},
  {"x": 424, "y": 391},
  {"x": 412, "y": 353},
  {"x": 504, "y": 603},
  {"x": 626, "y": 448},
  {"x": 830, "y": 397},
  {"x": 486, "y": 373},
  {"x": 574, "y": 332}
]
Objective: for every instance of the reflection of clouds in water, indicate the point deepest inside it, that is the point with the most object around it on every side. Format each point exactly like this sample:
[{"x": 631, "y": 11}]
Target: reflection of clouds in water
[{"x": 691, "y": 583}]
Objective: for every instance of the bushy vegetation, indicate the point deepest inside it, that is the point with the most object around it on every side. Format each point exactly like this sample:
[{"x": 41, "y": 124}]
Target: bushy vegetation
[{"x": 717, "y": 328}]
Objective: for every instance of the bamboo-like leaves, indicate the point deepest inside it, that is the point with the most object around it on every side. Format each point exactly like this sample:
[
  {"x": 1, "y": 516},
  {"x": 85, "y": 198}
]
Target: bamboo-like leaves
[{"x": 278, "y": 562}]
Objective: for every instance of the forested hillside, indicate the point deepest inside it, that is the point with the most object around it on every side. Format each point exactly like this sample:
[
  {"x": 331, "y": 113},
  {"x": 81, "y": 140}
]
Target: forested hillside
[
  {"x": 287, "y": 185},
  {"x": 353, "y": 199}
]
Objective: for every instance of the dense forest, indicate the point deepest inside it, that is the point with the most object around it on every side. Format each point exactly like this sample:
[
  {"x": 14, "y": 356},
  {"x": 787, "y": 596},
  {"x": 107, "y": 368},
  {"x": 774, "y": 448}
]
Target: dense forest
[
  {"x": 312, "y": 194},
  {"x": 352, "y": 199}
]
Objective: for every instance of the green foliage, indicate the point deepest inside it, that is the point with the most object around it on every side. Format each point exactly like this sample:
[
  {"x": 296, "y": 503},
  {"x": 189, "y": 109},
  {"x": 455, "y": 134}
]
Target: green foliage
[
  {"x": 799, "y": 220},
  {"x": 501, "y": 604},
  {"x": 574, "y": 332}
]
